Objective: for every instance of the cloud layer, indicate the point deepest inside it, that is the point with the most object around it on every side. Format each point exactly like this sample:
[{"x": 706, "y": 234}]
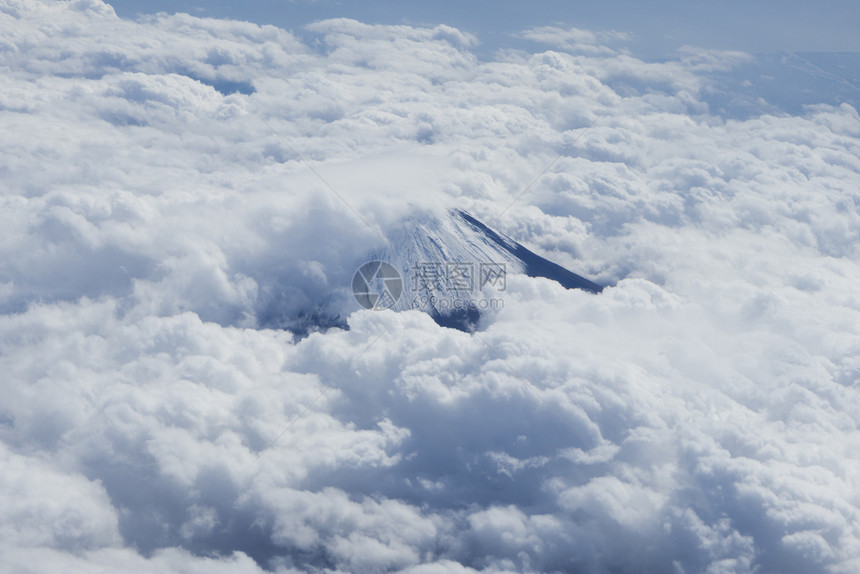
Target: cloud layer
[{"x": 699, "y": 415}]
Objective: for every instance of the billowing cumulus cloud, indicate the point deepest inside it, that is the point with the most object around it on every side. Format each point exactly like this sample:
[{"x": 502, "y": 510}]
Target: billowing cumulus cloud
[{"x": 177, "y": 191}]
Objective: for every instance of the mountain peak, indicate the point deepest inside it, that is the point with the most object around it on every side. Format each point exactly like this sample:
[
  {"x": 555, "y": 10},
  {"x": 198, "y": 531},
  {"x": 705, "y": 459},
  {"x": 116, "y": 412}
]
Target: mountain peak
[{"x": 450, "y": 266}]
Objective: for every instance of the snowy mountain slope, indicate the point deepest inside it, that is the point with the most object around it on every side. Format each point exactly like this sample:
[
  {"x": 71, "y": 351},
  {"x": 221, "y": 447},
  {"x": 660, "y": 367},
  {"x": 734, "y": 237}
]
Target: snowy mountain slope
[
  {"x": 533, "y": 265},
  {"x": 454, "y": 267}
]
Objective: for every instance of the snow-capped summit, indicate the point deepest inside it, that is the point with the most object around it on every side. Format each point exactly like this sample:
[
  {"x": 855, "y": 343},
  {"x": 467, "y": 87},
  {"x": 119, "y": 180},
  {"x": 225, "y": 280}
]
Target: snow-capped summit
[{"x": 450, "y": 268}]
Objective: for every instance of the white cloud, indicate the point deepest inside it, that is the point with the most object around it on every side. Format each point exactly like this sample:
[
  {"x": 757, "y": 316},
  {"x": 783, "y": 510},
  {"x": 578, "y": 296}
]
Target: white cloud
[
  {"x": 576, "y": 39},
  {"x": 46, "y": 507},
  {"x": 699, "y": 415}
]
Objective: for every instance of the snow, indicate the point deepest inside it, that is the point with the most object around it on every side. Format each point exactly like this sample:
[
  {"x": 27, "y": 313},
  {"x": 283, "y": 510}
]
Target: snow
[{"x": 453, "y": 266}]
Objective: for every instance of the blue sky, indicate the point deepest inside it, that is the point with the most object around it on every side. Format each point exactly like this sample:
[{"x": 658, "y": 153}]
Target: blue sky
[{"x": 656, "y": 28}]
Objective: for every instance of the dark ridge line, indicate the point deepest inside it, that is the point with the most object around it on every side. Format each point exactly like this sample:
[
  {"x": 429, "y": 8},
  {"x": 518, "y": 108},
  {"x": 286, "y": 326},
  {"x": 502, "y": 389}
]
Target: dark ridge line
[{"x": 536, "y": 266}]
